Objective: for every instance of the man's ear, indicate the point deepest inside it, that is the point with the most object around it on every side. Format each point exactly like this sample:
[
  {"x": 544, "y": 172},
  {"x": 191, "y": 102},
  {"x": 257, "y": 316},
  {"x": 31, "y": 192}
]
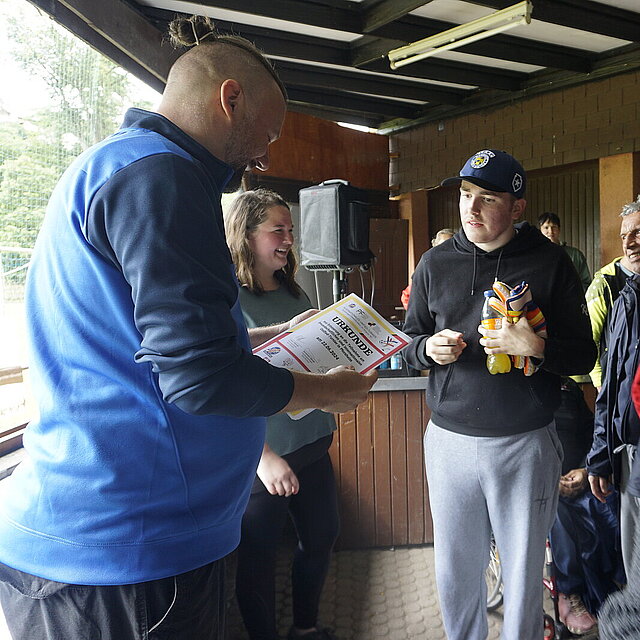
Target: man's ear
[
  {"x": 519, "y": 205},
  {"x": 230, "y": 96}
]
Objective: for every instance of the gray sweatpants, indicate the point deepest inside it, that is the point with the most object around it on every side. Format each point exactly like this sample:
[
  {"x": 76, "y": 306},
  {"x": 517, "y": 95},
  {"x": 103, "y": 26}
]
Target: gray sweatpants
[
  {"x": 476, "y": 485},
  {"x": 629, "y": 516}
]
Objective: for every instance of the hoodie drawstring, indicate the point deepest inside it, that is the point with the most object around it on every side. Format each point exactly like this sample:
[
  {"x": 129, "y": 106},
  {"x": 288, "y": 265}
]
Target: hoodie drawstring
[
  {"x": 475, "y": 261},
  {"x": 495, "y": 278},
  {"x": 473, "y": 278}
]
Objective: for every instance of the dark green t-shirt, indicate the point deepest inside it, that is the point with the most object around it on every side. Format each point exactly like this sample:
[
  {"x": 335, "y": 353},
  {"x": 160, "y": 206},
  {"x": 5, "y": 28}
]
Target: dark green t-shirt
[{"x": 284, "y": 435}]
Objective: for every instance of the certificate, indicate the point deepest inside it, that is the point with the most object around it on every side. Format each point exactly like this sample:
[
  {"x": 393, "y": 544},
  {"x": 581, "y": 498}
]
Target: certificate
[{"x": 349, "y": 332}]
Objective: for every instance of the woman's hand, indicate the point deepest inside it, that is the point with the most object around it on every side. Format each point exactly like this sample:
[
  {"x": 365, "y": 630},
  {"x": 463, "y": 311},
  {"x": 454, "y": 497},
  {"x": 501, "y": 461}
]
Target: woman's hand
[
  {"x": 299, "y": 318},
  {"x": 276, "y": 475}
]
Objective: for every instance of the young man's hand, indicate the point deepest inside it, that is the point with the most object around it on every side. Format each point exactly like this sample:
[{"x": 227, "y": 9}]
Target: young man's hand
[
  {"x": 517, "y": 339},
  {"x": 445, "y": 346}
]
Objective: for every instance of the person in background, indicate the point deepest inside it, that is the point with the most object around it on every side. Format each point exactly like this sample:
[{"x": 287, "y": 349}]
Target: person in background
[
  {"x": 439, "y": 238},
  {"x": 139, "y": 466},
  {"x": 609, "y": 281},
  {"x": 295, "y": 477},
  {"x": 492, "y": 455},
  {"x": 620, "y": 614},
  {"x": 612, "y": 459},
  {"x": 549, "y": 225},
  {"x": 584, "y": 536},
  {"x": 635, "y": 391}
]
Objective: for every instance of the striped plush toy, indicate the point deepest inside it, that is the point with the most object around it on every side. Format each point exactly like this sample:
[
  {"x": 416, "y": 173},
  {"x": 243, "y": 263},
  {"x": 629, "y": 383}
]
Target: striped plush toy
[{"x": 511, "y": 304}]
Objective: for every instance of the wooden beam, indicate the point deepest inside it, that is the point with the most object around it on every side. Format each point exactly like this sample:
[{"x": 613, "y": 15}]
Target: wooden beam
[
  {"x": 298, "y": 47},
  {"x": 446, "y": 71},
  {"x": 501, "y": 47},
  {"x": 385, "y": 11},
  {"x": 129, "y": 31},
  {"x": 593, "y": 17},
  {"x": 586, "y": 15},
  {"x": 504, "y": 47},
  {"x": 337, "y": 115},
  {"x": 342, "y": 16},
  {"x": 354, "y": 102},
  {"x": 330, "y": 78},
  {"x": 87, "y": 34},
  {"x": 274, "y": 42}
]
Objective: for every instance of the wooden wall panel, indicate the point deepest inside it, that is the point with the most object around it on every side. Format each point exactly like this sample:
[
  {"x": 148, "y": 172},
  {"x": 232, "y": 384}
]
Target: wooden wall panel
[
  {"x": 378, "y": 462},
  {"x": 364, "y": 467},
  {"x": 388, "y": 242},
  {"x": 382, "y": 468},
  {"x": 426, "y": 512},
  {"x": 312, "y": 150},
  {"x": 619, "y": 184},
  {"x": 398, "y": 469},
  {"x": 344, "y": 456},
  {"x": 572, "y": 193},
  {"x": 413, "y": 207},
  {"x": 444, "y": 212}
]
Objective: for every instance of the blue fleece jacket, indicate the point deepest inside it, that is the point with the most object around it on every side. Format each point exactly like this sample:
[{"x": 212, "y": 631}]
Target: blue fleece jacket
[{"x": 140, "y": 464}]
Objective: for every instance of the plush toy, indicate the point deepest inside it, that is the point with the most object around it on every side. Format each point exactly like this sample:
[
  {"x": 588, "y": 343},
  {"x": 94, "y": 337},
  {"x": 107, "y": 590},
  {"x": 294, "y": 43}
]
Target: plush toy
[{"x": 512, "y": 304}]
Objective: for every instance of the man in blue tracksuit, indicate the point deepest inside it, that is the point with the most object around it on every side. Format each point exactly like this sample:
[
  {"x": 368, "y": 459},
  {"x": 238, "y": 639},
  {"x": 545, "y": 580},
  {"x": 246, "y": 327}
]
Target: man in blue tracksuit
[{"x": 150, "y": 424}]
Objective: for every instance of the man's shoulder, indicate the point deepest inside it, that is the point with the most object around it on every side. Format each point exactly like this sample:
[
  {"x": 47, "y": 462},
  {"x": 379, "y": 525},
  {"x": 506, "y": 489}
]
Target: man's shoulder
[{"x": 573, "y": 252}]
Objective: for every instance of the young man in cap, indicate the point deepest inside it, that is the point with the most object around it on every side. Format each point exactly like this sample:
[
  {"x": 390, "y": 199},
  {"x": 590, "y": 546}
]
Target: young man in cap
[{"x": 491, "y": 452}]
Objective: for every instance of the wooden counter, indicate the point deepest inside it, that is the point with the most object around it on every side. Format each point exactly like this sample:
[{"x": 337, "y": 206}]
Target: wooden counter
[{"x": 379, "y": 467}]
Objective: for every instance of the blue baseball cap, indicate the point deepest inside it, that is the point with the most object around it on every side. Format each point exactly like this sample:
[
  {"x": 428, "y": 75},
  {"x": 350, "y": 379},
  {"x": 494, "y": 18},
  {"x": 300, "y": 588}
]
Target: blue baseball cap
[{"x": 494, "y": 170}]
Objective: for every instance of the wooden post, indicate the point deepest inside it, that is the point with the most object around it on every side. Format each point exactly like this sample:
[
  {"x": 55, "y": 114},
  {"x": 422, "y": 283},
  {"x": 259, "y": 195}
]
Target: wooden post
[{"x": 619, "y": 184}]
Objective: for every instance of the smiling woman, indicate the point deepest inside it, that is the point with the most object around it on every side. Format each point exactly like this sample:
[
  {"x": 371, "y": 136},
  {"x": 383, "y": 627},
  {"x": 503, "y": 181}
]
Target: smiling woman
[
  {"x": 260, "y": 237},
  {"x": 295, "y": 476}
]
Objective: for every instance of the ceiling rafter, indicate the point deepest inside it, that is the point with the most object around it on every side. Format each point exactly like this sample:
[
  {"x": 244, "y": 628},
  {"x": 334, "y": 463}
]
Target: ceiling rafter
[
  {"x": 313, "y": 76},
  {"x": 342, "y": 16},
  {"x": 585, "y": 15},
  {"x": 529, "y": 52},
  {"x": 377, "y": 13},
  {"x": 522, "y": 50},
  {"x": 354, "y": 102},
  {"x": 348, "y": 17},
  {"x": 291, "y": 45},
  {"x": 275, "y": 43},
  {"x": 446, "y": 71},
  {"x": 349, "y": 78}
]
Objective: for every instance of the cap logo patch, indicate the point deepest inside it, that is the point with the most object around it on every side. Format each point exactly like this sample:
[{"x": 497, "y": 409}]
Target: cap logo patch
[
  {"x": 516, "y": 183},
  {"x": 481, "y": 159}
]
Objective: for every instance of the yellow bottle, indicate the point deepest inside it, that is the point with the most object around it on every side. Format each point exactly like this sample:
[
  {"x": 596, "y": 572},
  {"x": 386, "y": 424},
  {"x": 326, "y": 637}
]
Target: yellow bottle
[{"x": 491, "y": 319}]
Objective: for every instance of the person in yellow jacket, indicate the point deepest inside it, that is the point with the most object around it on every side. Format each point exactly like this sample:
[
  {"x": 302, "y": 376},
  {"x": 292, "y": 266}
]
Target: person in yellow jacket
[{"x": 608, "y": 282}]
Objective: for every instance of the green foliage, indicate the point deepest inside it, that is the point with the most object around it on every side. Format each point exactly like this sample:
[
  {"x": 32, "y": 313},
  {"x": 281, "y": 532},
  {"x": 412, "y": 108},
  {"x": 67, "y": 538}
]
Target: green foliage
[{"x": 87, "y": 96}]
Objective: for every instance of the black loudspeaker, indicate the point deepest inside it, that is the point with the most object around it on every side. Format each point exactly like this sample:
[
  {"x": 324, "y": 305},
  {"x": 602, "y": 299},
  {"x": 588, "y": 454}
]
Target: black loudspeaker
[{"x": 334, "y": 226}]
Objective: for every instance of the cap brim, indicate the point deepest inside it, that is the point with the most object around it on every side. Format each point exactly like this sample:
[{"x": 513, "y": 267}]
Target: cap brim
[{"x": 473, "y": 180}]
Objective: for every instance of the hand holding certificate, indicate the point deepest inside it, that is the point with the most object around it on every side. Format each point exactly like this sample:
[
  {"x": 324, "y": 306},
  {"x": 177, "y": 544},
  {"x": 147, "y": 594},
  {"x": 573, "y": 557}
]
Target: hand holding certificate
[{"x": 349, "y": 332}]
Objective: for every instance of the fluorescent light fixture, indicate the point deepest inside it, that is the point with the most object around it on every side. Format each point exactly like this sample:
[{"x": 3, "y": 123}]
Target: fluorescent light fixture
[{"x": 463, "y": 34}]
